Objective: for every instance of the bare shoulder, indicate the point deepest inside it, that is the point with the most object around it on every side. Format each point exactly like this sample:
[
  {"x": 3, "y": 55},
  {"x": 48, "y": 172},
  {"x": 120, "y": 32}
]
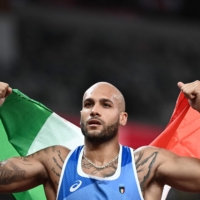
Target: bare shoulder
[
  {"x": 147, "y": 161},
  {"x": 159, "y": 153},
  {"x": 52, "y": 158},
  {"x": 147, "y": 158},
  {"x": 45, "y": 154},
  {"x": 43, "y": 167}
]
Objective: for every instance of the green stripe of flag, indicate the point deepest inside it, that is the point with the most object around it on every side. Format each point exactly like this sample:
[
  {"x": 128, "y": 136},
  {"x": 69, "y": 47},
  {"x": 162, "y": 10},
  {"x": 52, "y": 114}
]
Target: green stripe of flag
[
  {"x": 17, "y": 119},
  {"x": 31, "y": 126},
  {"x": 7, "y": 151}
]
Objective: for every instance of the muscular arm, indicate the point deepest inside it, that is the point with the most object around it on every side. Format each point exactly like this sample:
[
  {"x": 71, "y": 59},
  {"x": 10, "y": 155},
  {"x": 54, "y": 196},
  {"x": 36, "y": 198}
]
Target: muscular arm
[
  {"x": 182, "y": 173},
  {"x": 21, "y": 173},
  {"x": 146, "y": 164},
  {"x": 43, "y": 167},
  {"x": 157, "y": 167}
]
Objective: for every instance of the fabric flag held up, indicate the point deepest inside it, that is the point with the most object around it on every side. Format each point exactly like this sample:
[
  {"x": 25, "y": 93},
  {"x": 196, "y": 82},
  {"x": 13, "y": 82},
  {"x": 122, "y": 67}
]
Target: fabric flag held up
[
  {"x": 182, "y": 134},
  {"x": 31, "y": 126},
  {"x": 7, "y": 151}
]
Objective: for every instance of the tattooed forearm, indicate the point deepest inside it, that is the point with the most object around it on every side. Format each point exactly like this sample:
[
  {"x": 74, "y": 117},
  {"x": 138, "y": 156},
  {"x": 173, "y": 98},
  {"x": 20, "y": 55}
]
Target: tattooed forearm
[
  {"x": 54, "y": 171},
  {"x": 145, "y": 165},
  {"x": 54, "y": 159},
  {"x": 10, "y": 172}
]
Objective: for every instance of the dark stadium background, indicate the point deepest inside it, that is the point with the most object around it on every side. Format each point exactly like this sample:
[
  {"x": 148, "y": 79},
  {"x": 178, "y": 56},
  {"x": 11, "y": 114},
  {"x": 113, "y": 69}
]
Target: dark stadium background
[{"x": 53, "y": 50}]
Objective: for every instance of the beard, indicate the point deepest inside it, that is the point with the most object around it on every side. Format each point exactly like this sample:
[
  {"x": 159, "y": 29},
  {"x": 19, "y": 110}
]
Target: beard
[{"x": 105, "y": 135}]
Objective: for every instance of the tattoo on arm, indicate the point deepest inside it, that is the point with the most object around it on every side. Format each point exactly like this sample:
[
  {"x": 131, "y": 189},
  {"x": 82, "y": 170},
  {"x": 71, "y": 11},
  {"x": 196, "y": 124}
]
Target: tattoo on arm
[
  {"x": 59, "y": 153},
  {"x": 45, "y": 151},
  {"x": 60, "y": 157},
  {"x": 145, "y": 165},
  {"x": 54, "y": 171},
  {"x": 24, "y": 159},
  {"x": 53, "y": 148},
  {"x": 11, "y": 173},
  {"x": 54, "y": 159}
]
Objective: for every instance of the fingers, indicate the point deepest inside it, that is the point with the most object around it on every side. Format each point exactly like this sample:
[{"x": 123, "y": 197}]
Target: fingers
[
  {"x": 190, "y": 90},
  {"x": 180, "y": 85},
  {"x": 9, "y": 91},
  {"x": 5, "y": 90}
]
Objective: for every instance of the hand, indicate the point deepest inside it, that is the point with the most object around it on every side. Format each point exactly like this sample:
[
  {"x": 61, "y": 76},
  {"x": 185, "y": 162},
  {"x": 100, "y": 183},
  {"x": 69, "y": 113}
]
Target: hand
[
  {"x": 5, "y": 90},
  {"x": 192, "y": 93}
]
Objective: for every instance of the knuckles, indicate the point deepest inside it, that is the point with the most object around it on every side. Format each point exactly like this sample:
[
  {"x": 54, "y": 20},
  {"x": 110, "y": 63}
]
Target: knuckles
[{"x": 3, "y": 89}]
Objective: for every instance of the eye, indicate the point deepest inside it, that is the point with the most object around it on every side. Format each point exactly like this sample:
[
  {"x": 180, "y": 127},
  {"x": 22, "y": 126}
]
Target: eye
[
  {"x": 87, "y": 104},
  {"x": 106, "y": 105}
]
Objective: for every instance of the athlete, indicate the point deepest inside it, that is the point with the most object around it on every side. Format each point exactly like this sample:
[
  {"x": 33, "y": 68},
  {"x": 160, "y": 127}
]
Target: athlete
[{"x": 102, "y": 168}]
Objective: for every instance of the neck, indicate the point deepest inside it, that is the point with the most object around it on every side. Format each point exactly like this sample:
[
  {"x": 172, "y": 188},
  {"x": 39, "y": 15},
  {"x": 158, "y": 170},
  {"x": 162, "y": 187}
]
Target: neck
[{"x": 101, "y": 154}]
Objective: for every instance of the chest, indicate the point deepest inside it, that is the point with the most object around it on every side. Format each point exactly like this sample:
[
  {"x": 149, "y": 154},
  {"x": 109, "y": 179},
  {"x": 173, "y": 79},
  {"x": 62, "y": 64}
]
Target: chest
[
  {"x": 92, "y": 170},
  {"x": 81, "y": 179}
]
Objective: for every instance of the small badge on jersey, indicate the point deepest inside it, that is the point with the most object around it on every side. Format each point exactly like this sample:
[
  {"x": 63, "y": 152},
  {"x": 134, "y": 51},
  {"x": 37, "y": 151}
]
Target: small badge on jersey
[{"x": 121, "y": 189}]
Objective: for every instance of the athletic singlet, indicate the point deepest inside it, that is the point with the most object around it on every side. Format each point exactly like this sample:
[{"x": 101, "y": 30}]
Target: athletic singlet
[{"x": 76, "y": 185}]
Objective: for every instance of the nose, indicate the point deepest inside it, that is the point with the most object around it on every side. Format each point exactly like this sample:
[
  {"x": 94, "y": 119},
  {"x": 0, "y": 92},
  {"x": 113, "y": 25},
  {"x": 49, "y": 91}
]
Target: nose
[{"x": 95, "y": 111}]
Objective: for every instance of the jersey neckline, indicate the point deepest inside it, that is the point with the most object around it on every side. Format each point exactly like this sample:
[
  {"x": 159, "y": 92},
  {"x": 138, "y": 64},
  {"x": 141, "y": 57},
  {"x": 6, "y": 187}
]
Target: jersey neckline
[{"x": 113, "y": 177}]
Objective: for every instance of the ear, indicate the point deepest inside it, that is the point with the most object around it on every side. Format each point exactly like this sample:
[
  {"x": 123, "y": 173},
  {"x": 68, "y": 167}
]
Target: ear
[{"x": 123, "y": 118}]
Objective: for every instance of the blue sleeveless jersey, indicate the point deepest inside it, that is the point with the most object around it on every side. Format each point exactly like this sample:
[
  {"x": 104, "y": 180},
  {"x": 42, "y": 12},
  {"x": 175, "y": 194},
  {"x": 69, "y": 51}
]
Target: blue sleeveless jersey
[{"x": 76, "y": 185}]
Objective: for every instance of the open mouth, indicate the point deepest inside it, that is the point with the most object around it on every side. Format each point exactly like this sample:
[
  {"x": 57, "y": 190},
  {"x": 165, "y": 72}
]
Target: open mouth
[{"x": 94, "y": 122}]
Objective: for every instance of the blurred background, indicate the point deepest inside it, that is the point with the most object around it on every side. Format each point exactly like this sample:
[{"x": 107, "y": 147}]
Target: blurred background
[{"x": 53, "y": 50}]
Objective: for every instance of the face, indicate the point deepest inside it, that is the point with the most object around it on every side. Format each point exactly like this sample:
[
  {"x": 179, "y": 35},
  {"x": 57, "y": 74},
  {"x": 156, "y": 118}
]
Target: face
[{"x": 101, "y": 114}]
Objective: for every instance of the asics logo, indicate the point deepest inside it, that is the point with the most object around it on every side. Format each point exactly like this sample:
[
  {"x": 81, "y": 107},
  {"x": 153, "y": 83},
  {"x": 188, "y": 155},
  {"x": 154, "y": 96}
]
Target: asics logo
[{"x": 75, "y": 186}]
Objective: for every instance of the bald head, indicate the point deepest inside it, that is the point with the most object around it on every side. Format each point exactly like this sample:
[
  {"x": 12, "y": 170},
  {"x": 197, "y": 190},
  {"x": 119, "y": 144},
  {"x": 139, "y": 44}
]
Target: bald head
[{"x": 106, "y": 88}]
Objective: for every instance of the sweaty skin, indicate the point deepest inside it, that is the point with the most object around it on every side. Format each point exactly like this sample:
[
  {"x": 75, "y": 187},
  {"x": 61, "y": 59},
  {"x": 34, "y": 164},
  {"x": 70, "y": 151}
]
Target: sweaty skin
[{"x": 103, "y": 107}]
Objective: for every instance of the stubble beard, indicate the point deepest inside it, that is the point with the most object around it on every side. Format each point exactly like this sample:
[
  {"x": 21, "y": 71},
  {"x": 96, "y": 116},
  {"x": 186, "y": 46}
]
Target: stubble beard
[{"x": 105, "y": 135}]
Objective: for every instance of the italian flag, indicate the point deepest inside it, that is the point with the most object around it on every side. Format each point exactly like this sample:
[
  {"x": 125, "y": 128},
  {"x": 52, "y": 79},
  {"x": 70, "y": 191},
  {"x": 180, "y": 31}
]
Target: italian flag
[
  {"x": 27, "y": 126},
  {"x": 182, "y": 134},
  {"x": 30, "y": 126}
]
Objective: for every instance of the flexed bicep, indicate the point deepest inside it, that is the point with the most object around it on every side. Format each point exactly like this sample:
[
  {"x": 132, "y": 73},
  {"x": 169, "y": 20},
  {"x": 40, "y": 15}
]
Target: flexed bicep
[
  {"x": 20, "y": 173},
  {"x": 182, "y": 173},
  {"x": 10, "y": 172}
]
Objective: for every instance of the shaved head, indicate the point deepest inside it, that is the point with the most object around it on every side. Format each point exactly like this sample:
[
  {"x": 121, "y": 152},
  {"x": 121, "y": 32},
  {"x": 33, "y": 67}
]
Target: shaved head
[
  {"x": 107, "y": 87},
  {"x": 103, "y": 112}
]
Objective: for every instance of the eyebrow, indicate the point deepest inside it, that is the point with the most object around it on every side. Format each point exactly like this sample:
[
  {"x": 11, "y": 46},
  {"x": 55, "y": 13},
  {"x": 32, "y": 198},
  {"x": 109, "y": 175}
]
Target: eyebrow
[
  {"x": 101, "y": 100},
  {"x": 104, "y": 99}
]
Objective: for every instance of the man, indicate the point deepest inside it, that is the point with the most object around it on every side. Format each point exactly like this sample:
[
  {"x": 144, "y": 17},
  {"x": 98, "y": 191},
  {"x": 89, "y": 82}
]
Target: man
[{"x": 103, "y": 169}]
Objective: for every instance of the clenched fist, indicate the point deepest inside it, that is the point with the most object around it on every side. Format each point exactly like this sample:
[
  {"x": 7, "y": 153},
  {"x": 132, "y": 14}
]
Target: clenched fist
[
  {"x": 192, "y": 93},
  {"x": 5, "y": 90}
]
